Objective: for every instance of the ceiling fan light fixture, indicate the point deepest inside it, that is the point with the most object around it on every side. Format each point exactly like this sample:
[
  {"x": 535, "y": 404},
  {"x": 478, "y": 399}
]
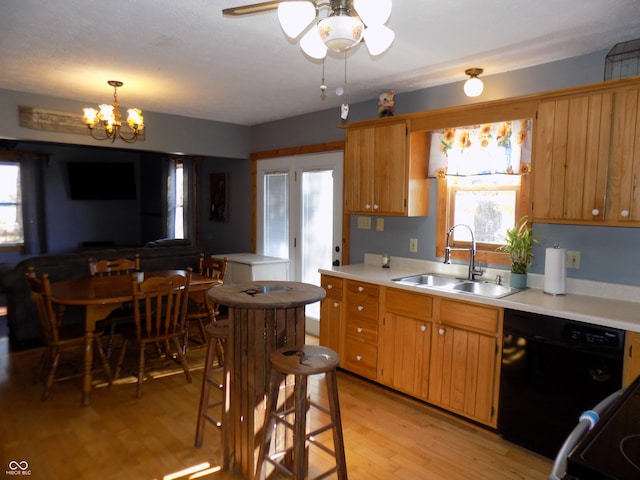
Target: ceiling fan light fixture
[
  {"x": 340, "y": 32},
  {"x": 378, "y": 39},
  {"x": 473, "y": 87},
  {"x": 373, "y": 12},
  {"x": 294, "y": 17}
]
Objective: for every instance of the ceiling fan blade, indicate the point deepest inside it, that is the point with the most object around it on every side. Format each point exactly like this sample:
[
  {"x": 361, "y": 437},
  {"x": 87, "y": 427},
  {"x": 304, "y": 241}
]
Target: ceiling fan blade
[{"x": 252, "y": 8}]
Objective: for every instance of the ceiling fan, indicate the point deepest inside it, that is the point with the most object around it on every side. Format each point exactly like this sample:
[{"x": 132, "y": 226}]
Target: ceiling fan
[{"x": 346, "y": 23}]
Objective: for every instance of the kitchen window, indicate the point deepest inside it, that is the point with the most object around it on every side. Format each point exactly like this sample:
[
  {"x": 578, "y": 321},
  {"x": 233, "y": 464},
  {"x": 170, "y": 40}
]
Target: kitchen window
[{"x": 483, "y": 182}]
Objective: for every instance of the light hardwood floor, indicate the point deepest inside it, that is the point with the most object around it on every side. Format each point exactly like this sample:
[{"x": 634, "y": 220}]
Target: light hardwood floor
[{"x": 387, "y": 436}]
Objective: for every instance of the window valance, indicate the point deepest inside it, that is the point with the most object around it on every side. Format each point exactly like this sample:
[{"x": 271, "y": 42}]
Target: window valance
[{"x": 490, "y": 148}]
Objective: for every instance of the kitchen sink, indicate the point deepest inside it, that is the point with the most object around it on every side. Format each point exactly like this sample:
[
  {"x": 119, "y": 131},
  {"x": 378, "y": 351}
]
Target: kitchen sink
[
  {"x": 427, "y": 280},
  {"x": 450, "y": 284}
]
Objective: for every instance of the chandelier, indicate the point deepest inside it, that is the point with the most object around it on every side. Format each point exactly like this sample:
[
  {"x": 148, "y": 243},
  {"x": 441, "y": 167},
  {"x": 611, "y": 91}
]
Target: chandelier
[
  {"x": 348, "y": 23},
  {"x": 107, "y": 119}
]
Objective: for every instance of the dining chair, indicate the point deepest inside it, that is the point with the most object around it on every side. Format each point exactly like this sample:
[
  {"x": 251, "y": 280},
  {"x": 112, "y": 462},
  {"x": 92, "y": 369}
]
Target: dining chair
[
  {"x": 160, "y": 309},
  {"x": 106, "y": 268},
  {"x": 200, "y": 307},
  {"x": 57, "y": 336}
]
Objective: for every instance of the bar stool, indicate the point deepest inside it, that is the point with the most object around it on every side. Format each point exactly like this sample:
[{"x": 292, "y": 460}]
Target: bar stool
[
  {"x": 301, "y": 362},
  {"x": 215, "y": 375}
]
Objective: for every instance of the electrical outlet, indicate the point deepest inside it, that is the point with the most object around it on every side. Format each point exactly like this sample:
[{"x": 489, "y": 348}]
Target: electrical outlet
[
  {"x": 573, "y": 259},
  {"x": 379, "y": 224},
  {"x": 413, "y": 245}
]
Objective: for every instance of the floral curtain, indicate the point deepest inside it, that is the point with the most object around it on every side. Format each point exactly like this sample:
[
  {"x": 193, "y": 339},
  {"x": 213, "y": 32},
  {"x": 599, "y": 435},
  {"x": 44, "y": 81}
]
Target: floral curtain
[{"x": 490, "y": 148}]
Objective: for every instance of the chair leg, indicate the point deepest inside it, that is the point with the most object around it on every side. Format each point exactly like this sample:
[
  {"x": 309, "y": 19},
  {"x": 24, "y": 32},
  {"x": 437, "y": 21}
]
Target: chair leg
[
  {"x": 44, "y": 360},
  {"x": 338, "y": 441},
  {"x": 52, "y": 373},
  {"x": 123, "y": 351},
  {"x": 105, "y": 361},
  {"x": 140, "y": 370},
  {"x": 269, "y": 422},
  {"x": 182, "y": 359},
  {"x": 205, "y": 391}
]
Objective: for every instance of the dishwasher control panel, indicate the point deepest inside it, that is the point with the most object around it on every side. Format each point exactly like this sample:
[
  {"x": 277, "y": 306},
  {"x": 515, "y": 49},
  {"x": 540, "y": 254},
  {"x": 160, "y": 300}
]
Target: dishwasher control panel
[{"x": 587, "y": 335}]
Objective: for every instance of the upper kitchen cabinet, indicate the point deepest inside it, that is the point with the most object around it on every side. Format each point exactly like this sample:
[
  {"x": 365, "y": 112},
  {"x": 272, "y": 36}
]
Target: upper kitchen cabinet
[
  {"x": 586, "y": 158},
  {"x": 386, "y": 170}
]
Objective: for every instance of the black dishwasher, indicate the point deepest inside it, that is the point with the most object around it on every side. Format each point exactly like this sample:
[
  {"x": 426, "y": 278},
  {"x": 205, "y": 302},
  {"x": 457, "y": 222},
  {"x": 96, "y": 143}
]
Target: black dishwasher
[{"x": 553, "y": 369}]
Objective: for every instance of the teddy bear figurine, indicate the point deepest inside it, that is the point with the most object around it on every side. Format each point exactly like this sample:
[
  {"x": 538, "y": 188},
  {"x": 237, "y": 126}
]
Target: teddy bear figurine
[{"x": 385, "y": 104}]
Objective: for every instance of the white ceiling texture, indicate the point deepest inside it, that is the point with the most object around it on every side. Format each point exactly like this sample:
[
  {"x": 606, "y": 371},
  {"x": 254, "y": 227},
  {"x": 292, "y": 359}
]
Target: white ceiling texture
[{"x": 184, "y": 57}]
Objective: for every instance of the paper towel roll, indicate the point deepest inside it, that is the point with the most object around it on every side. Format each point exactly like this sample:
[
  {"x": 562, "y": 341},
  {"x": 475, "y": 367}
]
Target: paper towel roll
[{"x": 555, "y": 271}]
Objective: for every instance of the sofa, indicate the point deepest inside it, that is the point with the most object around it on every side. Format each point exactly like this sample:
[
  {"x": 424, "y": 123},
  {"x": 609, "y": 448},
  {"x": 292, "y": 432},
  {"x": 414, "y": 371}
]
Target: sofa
[{"x": 24, "y": 329}]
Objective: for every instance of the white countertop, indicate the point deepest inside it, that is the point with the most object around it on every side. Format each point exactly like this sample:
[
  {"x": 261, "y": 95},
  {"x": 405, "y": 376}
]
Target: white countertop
[
  {"x": 251, "y": 258},
  {"x": 610, "y": 312}
]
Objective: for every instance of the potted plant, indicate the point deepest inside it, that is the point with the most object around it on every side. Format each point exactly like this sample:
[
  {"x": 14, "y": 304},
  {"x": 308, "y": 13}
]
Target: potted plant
[{"x": 518, "y": 243}]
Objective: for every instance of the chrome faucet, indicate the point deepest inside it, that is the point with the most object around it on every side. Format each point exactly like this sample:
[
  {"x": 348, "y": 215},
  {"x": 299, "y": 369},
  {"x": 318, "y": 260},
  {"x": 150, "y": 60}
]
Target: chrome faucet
[{"x": 473, "y": 271}]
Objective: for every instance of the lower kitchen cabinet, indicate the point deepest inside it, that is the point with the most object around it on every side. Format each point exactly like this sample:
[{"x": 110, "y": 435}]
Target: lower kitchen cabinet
[
  {"x": 406, "y": 342},
  {"x": 331, "y": 313},
  {"x": 361, "y": 329},
  {"x": 465, "y": 360},
  {"x": 631, "y": 358}
]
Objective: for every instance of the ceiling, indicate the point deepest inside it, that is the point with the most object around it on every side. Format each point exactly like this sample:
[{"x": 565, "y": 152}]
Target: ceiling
[{"x": 183, "y": 57}]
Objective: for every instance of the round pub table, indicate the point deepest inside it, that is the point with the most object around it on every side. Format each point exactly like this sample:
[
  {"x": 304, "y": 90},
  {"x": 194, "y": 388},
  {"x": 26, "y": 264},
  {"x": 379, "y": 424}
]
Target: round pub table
[{"x": 263, "y": 316}]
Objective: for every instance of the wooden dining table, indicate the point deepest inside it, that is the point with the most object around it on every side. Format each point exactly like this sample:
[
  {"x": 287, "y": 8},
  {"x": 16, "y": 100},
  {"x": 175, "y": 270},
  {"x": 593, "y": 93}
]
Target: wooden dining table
[
  {"x": 263, "y": 316},
  {"x": 102, "y": 295}
]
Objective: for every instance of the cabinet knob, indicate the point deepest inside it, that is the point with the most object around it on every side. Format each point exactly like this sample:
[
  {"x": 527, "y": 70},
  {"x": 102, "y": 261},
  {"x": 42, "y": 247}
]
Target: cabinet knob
[
  {"x": 358, "y": 357},
  {"x": 423, "y": 328},
  {"x": 375, "y": 206},
  {"x": 624, "y": 213},
  {"x": 329, "y": 286},
  {"x": 360, "y": 308},
  {"x": 442, "y": 331},
  {"x": 336, "y": 304},
  {"x": 359, "y": 329},
  {"x": 367, "y": 206},
  {"x": 361, "y": 289},
  {"x": 595, "y": 212}
]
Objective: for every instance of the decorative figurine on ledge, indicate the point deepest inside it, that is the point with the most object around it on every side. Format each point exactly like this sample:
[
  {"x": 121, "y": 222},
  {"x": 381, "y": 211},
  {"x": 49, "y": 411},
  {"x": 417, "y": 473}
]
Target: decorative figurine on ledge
[{"x": 385, "y": 104}]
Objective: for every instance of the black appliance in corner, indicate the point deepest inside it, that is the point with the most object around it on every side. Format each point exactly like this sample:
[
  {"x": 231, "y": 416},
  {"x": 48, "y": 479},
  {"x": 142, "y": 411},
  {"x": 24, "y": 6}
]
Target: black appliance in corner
[
  {"x": 611, "y": 449},
  {"x": 553, "y": 369}
]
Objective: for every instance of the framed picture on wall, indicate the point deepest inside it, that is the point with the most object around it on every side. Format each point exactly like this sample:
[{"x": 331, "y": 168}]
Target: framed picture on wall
[{"x": 219, "y": 203}]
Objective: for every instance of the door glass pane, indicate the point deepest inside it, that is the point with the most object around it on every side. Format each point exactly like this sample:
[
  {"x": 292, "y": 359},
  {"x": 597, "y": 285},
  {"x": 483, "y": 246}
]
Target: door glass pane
[
  {"x": 316, "y": 228},
  {"x": 276, "y": 215}
]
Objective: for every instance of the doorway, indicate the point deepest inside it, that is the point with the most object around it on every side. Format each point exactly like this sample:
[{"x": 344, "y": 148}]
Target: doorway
[{"x": 300, "y": 216}]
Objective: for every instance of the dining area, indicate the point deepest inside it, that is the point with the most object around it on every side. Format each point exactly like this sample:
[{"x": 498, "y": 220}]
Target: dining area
[{"x": 119, "y": 299}]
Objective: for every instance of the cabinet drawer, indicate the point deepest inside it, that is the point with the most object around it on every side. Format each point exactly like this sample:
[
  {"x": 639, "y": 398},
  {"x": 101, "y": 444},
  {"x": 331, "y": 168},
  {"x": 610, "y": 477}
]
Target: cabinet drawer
[
  {"x": 361, "y": 308},
  {"x": 409, "y": 304},
  {"x": 470, "y": 316},
  {"x": 361, "y": 358},
  {"x": 332, "y": 285},
  {"x": 361, "y": 289},
  {"x": 363, "y": 331}
]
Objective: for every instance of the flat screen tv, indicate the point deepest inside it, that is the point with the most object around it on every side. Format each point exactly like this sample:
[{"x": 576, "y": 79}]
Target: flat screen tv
[{"x": 102, "y": 181}]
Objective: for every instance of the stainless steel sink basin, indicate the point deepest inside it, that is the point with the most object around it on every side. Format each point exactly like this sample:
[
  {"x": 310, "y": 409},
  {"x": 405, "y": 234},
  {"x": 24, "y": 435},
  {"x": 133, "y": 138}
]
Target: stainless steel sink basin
[
  {"x": 450, "y": 284},
  {"x": 484, "y": 289},
  {"x": 427, "y": 280}
]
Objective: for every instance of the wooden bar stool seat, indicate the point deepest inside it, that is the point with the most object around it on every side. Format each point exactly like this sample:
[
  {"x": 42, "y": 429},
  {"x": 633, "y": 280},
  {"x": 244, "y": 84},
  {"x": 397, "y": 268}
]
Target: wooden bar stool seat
[
  {"x": 215, "y": 375},
  {"x": 289, "y": 454}
]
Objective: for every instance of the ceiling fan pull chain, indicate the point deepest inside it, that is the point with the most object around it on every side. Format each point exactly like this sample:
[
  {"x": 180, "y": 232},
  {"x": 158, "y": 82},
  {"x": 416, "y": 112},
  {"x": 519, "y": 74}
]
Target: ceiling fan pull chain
[{"x": 344, "y": 109}]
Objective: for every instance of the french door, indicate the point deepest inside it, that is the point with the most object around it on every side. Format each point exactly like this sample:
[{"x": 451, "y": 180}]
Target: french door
[{"x": 300, "y": 213}]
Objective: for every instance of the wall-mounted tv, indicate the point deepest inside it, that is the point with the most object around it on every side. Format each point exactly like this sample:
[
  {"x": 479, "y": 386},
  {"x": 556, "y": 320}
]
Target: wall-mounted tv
[{"x": 102, "y": 180}]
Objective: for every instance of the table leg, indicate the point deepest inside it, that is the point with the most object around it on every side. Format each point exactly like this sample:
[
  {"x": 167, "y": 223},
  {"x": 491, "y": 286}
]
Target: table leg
[{"x": 94, "y": 313}]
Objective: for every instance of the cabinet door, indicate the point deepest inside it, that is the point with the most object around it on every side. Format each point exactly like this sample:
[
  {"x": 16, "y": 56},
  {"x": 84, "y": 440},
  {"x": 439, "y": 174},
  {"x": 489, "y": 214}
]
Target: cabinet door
[
  {"x": 358, "y": 170},
  {"x": 571, "y": 155},
  {"x": 623, "y": 195},
  {"x": 463, "y": 374},
  {"x": 390, "y": 169},
  {"x": 632, "y": 358},
  {"x": 406, "y": 350},
  {"x": 331, "y": 323}
]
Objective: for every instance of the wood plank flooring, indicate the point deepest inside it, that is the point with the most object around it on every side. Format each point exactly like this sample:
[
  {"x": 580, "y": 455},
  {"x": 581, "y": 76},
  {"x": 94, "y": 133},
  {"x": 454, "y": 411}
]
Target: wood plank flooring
[{"x": 387, "y": 436}]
